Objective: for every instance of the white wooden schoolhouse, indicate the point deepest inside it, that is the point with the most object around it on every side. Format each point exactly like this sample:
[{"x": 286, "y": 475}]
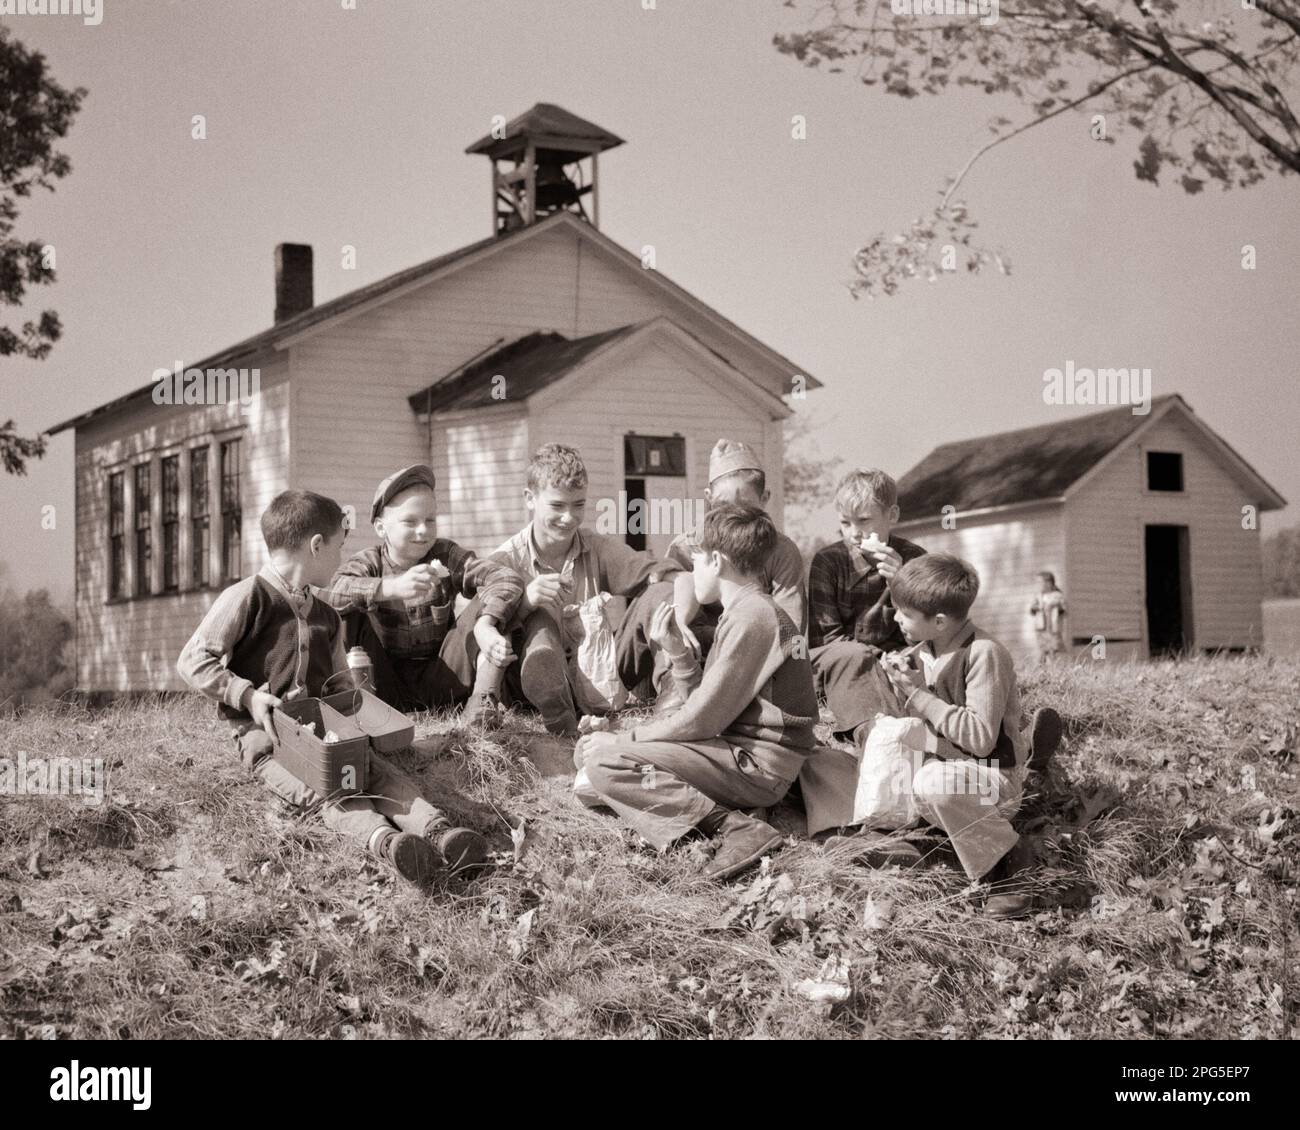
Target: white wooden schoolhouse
[
  {"x": 1148, "y": 522},
  {"x": 545, "y": 331}
]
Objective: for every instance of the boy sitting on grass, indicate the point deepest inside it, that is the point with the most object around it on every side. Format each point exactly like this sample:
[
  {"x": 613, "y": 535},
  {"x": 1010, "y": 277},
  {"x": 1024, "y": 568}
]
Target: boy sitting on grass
[
  {"x": 563, "y": 566},
  {"x": 746, "y": 725},
  {"x": 964, "y": 689},
  {"x": 398, "y": 601},
  {"x": 735, "y": 476},
  {"x": 266, "y": 640},
  {"x": 851, "y": 615}
]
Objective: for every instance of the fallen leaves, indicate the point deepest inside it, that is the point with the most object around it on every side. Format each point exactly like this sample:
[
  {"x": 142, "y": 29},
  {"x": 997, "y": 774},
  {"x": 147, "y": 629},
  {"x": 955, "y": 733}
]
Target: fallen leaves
[
  {"x": 252, "y": 969},
  {"x": 519, "y": 838},
  {"x": 831, "y": 985}
]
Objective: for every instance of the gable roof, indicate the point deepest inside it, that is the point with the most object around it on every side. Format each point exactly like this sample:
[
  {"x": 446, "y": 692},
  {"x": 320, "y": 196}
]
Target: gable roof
[
  {"x": 395, "y": 285},
  {"x": 324, "y": 312},
  {"x": 530, "y": 364},
  {"x": 537, "y": 361},
  {"x": 1042, "y": 463}
]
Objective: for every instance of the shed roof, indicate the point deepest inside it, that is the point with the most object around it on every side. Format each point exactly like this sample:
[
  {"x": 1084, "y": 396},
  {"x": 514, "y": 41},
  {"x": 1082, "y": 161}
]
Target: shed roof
[{"x": 1038, "y": 464}]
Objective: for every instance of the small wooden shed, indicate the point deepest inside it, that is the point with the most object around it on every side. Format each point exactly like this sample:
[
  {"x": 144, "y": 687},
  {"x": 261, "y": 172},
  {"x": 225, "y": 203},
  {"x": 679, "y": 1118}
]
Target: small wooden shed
[
  {"x": 1149, "y": 523},
  {"x": 547, "y": 330}
]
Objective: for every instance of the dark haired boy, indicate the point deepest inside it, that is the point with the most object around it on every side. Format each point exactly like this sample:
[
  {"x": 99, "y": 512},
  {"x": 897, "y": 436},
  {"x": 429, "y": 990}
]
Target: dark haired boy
[
  {"x": 964, "y": 688},
  {"x": 735, "y": 476},
  {"x": 266, "y": 640},
  {"x": 746, "y": 724}
]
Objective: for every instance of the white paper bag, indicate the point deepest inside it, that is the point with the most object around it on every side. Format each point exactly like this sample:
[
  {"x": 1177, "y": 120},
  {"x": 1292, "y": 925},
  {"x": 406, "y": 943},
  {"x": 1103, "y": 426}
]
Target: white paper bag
[
  {"x": 890, "y": 759},
  {"x": 596, "y": 681}
]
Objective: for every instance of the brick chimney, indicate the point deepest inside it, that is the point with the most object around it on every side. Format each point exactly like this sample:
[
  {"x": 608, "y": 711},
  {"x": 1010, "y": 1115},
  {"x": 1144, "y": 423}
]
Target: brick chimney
[{"x": 292, "y": 280}]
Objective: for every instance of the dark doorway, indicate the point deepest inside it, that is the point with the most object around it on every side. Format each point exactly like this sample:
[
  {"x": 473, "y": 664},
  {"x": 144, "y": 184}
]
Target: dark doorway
[
  {"x": 1169, "y": 590},
  {"x": 636, "y": 513}
]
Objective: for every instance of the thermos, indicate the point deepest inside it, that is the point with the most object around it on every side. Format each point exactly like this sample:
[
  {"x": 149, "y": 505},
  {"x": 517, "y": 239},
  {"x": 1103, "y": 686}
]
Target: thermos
[{"x": 361, "y": 669}]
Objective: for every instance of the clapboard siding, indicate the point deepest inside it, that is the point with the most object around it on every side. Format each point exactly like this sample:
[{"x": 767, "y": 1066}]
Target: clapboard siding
[
  {"x": 1105, "y": 542},
  {"x": 658, "y": 389},
  {"x": 1007, "y": 551},
  {"x": 480, "y": 460},
  {"x": 609, "y": 295},
  {"x": 133, "y": 644}
]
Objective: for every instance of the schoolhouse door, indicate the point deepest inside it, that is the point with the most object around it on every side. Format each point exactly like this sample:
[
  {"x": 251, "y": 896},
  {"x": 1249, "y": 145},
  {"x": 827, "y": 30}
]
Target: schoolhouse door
[{"x": 655, "y": 482}]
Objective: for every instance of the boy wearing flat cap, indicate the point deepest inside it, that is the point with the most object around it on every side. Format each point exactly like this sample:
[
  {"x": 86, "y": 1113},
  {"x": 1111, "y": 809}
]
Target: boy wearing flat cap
[
  {"x": 398, "y": 601},
  {"x": 736, "y": 477}
]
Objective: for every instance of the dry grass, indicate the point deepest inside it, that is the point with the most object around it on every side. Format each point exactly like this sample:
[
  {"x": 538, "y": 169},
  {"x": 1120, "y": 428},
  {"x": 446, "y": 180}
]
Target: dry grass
[{"x": 190, "y": 904}]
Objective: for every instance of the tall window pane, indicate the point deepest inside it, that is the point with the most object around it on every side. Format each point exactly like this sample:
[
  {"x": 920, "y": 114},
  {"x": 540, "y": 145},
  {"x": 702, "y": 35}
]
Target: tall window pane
[
  {"x": 231, "y": 532},
  {"x": 171, "y": 522},
  {"x": 143, "y": 532},
  {"x": 200, "y": 537},
  {"x": 116, "y": 536}
]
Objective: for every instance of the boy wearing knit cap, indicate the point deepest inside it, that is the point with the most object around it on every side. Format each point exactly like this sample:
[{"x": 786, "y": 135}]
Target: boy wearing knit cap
[
  {"x": 398, "y": 600},
  {"x": 735, "y": 476}
]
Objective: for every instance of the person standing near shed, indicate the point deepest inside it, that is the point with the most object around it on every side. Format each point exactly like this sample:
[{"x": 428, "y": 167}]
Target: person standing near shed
[{"x": 1048, "y": 611}]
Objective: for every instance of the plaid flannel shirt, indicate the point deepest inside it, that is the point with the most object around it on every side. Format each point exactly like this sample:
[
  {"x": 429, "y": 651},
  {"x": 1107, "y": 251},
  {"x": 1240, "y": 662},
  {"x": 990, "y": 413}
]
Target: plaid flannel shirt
[
  {"x": 595, "y": 563},
  {"x": 415, "y": 629},
  {"x": 848, "y": 598}
]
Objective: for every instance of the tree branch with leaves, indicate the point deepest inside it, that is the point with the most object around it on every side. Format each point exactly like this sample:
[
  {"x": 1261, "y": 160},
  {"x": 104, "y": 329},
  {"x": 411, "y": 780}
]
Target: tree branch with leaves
[
  {"x": 35, "y": 112},
  {"x": 1211, "y": 92}
]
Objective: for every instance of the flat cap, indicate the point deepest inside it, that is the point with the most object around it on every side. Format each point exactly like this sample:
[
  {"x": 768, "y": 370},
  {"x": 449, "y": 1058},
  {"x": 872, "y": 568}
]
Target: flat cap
[{"x": 416, "y": 475}]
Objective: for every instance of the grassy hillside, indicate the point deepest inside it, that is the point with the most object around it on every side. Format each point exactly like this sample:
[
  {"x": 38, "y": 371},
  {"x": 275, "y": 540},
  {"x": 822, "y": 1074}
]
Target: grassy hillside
[{"x": 190, "y": 904}]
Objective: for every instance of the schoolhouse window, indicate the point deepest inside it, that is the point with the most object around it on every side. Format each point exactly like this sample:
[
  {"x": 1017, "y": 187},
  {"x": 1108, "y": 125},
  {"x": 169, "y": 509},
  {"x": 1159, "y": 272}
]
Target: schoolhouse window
[
  {"x": 116, "y": 535},
  {"x": 171, "y": 522},
  {"x": 231, "y": 544},
  {"x": 200, "y": 538},
  {"x": 1164, "y": 470},
  {"x": 143, "y": 531},
  {"x": 654, "y": 455}
]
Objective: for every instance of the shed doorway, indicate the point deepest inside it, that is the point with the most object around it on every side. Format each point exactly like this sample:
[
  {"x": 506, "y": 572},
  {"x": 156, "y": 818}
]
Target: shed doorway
[{"x": 1168, "y": 590}]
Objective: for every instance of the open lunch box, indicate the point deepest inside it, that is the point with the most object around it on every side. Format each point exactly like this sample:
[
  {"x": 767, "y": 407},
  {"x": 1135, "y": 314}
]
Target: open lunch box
[{"x": 359, "y": 719}]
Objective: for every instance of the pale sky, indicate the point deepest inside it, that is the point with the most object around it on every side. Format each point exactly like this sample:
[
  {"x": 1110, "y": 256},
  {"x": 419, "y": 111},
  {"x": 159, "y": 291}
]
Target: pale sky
[{"x": 333, "y": 127}]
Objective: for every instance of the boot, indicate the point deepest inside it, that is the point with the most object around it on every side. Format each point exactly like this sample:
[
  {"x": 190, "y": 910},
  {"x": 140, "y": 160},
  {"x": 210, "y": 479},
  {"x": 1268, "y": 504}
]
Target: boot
[
  {"x": 410, "y": 855},
  {"x": 1010, "y": 893},
  {"x": 545, "y": 683},
  {"x": 483, "y": 710},
  {"x": 874, "y": 849},
  {"x": 460, "y": 848},
  {"x": 1044, "y": 736},
  {"x": 743, "y": 841}
]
